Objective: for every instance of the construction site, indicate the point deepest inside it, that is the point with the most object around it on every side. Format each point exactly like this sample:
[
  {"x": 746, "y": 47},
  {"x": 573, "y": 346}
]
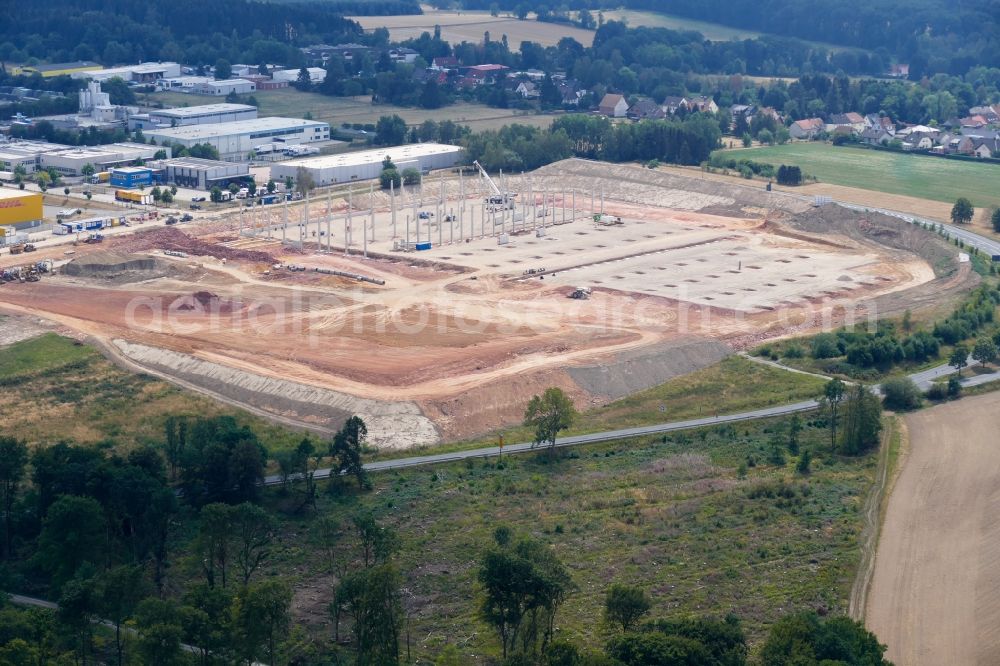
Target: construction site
[{"x": 435, "y": 310}]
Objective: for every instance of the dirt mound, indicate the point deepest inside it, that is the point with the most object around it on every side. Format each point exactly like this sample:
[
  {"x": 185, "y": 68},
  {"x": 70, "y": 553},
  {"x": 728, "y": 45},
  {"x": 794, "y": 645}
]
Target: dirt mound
[
  {"x": 105, "y": 262},
  {"x": 169, "y": 238},
  {"x": 887, "y": 231},
  {"x": 206, "y": 301},
  {"x": 632, "y": 184}
]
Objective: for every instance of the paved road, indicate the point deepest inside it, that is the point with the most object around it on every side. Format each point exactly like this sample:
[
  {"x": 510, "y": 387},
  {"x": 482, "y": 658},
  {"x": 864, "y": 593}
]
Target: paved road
[
  {"x": 922, "y": 379},
  {"x": 986, "y": 245},
  {"x": 494, "y": 451}
]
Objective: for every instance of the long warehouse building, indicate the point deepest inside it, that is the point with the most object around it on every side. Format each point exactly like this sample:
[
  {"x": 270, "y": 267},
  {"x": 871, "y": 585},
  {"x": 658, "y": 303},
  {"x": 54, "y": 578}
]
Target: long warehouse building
[
  {"x": 367, "y": 164},
  {"x": 19, "y": 210},
  {"x": 235, "y": 140}
]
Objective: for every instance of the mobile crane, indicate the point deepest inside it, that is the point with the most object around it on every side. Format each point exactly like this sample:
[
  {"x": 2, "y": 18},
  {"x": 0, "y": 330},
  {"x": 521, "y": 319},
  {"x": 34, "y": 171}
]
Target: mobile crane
[{"x": 499, "y": 200}]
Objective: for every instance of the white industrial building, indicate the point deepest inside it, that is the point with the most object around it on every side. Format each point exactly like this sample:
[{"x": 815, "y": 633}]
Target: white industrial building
[
  {"x": 224, "y": 87},
  {"x": 70, "y": 161},
  {"x": 316, "y": 75},
  {"x": 182, "y": 83},
  {"x": 146, "y": 72},
  {"x": 25, "y": 154},
  {"x": 203, "y": 115},
  {"x": 235, "y": 140},
  {"x": 367, "y": 164},
  {"x": 202, "y": 174}
]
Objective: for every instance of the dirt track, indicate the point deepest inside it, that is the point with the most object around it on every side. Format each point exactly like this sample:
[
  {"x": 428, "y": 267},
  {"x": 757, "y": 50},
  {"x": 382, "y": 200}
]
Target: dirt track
[{"x": 934, "y": 594}]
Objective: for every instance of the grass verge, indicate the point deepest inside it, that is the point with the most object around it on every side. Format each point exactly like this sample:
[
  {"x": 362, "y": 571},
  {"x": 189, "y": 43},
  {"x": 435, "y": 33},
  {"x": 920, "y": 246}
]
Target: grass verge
[{"x": 730, "y": 386}]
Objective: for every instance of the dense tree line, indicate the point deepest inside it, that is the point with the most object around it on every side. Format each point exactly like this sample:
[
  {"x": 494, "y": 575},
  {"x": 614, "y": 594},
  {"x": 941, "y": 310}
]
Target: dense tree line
[
  {"x": 963, "y": 36},
  {"x": 858, "y": 352},
  {"x": 522, "y": 147},
  {"x": 198, "y": 33}
]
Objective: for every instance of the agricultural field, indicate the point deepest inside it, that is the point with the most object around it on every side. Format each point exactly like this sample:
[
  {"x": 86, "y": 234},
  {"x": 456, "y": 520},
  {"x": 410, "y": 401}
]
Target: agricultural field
[
  {"x": 337, "y": 110},
  {"x": 715, "y": 32},
  {"x": 465, "y": 26},
  {"x": 893, "y": 173},
  {"x": 712, "y": 522}
]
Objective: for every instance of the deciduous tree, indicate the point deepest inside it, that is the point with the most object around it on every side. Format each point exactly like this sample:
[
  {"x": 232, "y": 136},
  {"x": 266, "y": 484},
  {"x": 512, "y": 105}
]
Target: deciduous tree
[
  {"x": 549, "y": 414},
  {"x": 962, "y": 211},
  {"x": 624, "y": 605}
]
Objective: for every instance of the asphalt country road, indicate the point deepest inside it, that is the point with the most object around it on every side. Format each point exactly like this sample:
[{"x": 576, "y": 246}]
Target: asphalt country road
[{"x": 922, "y": 379}]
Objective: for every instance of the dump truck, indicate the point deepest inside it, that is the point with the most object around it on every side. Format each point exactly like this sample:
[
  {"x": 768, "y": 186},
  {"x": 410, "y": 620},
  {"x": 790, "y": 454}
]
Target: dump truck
[{"x": 16, "y": 249}]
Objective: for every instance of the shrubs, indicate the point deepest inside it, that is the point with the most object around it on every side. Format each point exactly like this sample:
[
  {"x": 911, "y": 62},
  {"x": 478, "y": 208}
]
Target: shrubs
[
  {"x": 826, "y": 345},
  {"x": 900, "y": 394},
  {"x": 789, "y": 175}
]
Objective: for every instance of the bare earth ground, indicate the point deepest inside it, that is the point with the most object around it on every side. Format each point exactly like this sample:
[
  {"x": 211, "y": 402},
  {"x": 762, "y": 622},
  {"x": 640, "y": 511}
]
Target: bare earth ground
[
  {"x": 938, "y": 210},
  {"x": 935, "y": 592},
  {"x": 459, "y": 335}
]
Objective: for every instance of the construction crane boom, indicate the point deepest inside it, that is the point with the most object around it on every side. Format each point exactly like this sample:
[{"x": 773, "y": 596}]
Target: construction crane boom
[{"x": 496, "y": 190}]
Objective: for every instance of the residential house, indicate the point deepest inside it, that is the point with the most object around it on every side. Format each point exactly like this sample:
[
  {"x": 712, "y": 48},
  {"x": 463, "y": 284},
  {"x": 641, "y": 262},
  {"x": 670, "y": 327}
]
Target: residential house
[
  {"x": 528, "y": 90},
  {"x": 570, "y": 91},
  {"x": 973, "y": 122},
  {"x": 483, "y": 73},
  {"x": 772, "y": 112},
  {"x": 983, "y": 150},
  {"x": 403, "y": 54},
  {"x": 672, "y": 103},
  {"x": 646, "y": 109},
  {"x": 959, "y": 145},
  {"x": 884, "y": 123},
  {"x": 444, "y": 63},
  {"x": 899, "y": 71},
  {"x": 920, "y": 141},
  {"x": 990, "y": 114},
  {"x": 438, "y": 76},
  {"x": 320, "y": 54},
  {"x": 854, "y": 122},
  {"x": 876, "y": 136},
  {"x": 807, "y": 128},
  {"x": 613, "y": 106},
  {"x": 702, "y": 103}
]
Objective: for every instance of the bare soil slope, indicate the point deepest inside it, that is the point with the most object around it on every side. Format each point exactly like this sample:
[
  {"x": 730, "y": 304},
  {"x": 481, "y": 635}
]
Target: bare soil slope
[{"x": 934, "y": 594}]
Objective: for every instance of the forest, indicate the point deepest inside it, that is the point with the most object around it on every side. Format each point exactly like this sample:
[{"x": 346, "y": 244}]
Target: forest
[
  {"x": 963, "y": 36},
  {"x": 115, "y": 32}
]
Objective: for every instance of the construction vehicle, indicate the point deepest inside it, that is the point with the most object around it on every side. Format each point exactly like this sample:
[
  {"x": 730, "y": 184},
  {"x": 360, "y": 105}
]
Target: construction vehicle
[
  {"x": 94, "y": 238},
  {"x": 29, "y": 247},
  {"x": 580, "y": 293},
  {"x": 16, "y": 249},
  {"x": 499, "y": 200}
]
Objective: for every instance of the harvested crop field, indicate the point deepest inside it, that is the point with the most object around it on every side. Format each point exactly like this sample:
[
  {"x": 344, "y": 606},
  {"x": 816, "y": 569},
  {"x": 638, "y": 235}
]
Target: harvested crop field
[
  {"x": 677, "y": 272},
  {"x": 934, "y": 591},
  {"x": 457, "y": 27}
]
